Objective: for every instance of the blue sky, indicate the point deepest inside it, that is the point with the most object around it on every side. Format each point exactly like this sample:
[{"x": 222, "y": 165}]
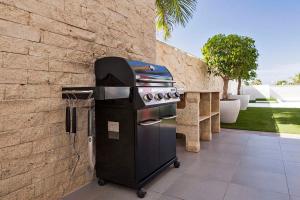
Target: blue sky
[{"x": 273, "y": 24}]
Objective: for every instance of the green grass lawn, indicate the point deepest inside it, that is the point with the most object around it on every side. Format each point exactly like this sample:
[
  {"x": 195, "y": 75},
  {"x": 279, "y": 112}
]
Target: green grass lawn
[
  {"x": 279, "y": 120},
  {"x": 264, "y": 100}
]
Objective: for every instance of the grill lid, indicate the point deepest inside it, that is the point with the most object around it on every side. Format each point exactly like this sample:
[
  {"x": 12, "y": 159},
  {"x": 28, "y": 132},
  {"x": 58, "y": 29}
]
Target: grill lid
[{"x": 116, "y": 71}]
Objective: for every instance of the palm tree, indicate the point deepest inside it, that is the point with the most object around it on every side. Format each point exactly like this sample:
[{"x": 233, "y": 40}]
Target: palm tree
[
  {"x": 173, "y": 12},
  {"x": 296, "y": 79}
]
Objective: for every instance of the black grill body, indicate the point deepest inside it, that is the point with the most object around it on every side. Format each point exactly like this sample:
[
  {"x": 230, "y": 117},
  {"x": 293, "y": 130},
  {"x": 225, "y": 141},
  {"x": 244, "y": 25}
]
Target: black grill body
[{"x": 135, "y": 135}]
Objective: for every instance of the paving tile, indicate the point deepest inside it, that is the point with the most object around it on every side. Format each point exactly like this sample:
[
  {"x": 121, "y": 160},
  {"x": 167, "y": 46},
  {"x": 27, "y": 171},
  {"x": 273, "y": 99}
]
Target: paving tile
[
  {"x": 264, "y": 164},
  {"x": 295, "y": 197},
  {"x": 290, "y": 141},
  {"x": 235, "y": 149},
  {"x": 163, "y": 181},
  {"x": 291, "y": 156},
  {"x": 262, "y": 139},
  {"x": 212, "y": 170},
  {"x": 290, "y": 147},
  {"x": 239, "y": 192},
  {"x": 231, "y": 139},
  {"x": 186, "y": 160},
  {"x": 111, "y": 192},
  {"x": 258, "y": 179},
  {"x": 220, "y": 157},
  {"x": 87, "y": 192},
  {"x": 193, "y": 188},
  {"x": 253, "y": 162},
  {"x": 292, "y": 169},
  {"x": 165, "y": 197},
  {"x": 261, "y": 152},
  {"x": 294, "y": 185},
  {"x": 264, "y": 145}
]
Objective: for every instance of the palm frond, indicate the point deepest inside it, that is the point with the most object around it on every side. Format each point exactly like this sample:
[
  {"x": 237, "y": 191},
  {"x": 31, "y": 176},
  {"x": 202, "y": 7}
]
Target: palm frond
[{"x": 173, "y": 12}]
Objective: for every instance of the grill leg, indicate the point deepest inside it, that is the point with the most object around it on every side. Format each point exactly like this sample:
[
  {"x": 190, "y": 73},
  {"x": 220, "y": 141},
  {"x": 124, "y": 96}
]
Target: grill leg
[
  {"x": 141, "y": 193},
  {"x": 176, "y": 164},
  {"x": 101, "y": 182}
]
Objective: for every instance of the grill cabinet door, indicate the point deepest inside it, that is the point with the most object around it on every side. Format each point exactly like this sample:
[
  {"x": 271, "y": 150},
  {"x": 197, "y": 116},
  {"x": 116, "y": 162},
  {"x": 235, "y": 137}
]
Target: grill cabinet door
[
  {"x": 147, "y": 142},
  {"x": 167, "y": 135}
]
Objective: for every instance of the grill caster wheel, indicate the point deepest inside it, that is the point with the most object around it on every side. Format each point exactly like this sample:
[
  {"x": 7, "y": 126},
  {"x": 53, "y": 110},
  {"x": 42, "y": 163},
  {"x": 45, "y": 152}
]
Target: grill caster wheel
[
  {"x": 176, "y": 164},
  {"x": 141, "y": 193},
  {"x": 101, "y": 182}
]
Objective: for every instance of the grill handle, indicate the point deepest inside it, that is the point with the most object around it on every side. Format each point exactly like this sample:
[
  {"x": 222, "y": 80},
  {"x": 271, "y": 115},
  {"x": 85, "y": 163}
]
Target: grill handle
[
  {"x": 146, "y": 80},
  {"x": 171, "y": 117},
  {"x": 149, "y": 123}
]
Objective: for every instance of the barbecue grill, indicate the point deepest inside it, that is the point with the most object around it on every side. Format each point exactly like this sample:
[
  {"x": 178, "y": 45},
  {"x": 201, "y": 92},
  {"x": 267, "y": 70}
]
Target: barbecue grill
[{"x": 135, "y": 111}]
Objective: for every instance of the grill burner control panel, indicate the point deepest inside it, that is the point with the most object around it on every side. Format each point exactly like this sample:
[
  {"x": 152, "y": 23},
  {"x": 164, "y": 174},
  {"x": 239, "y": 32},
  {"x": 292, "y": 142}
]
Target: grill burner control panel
[{"x": 156, "y": 95}]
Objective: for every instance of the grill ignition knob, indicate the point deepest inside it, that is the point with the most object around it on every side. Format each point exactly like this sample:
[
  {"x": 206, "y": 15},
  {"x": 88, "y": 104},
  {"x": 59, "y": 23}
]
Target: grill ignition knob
[
  {"x": 168, "y": 95},
  {"x": 159, "y": 96},
  {"x": 176, "y": 95},
  {"x": 148, "y": 97}
]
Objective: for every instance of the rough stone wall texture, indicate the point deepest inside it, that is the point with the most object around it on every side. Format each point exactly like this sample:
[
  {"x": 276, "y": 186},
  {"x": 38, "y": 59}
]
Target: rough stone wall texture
[
  {"x": 189, "y": 71},
  {"x": 44, "y": 45}
]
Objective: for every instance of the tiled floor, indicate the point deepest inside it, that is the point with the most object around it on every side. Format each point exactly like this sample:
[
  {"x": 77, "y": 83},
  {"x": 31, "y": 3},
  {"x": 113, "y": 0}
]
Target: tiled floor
[{"x": 235, "y": 165}]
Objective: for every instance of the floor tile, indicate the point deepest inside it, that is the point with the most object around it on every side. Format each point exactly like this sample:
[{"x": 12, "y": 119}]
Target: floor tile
[
  {"x": 290, "y": 141},
  {"x": 193, "y": 188},
  {"x": 294, "y": 185},
  {"x": 186, "y": 160},
  {"x": 292, "y": 169},
  {"x": 239, "y": 192},
  {"x": 236, "y": 149},
  {"x": 290, "y": 147},
  {"x": 263, "y": 145},
  {"x": 212, "y": 170},
  {"x": 263, "y": 164},
  {"x": 291, "y": 156},
  {"x": 254, "y": 178},
  {"x": 220, "y": 157},
  {"x": 248, "y": 165},
  {"x": 109, "y": 192},
  {"x": 261, "y": 152},
  {"x": 231, "y": 139},
  {"x": 165, "y": 197},
  {"x": 295, "y": 197},
  {"x": 261, "y": 139},
  {"x": 162, "y": 182}
]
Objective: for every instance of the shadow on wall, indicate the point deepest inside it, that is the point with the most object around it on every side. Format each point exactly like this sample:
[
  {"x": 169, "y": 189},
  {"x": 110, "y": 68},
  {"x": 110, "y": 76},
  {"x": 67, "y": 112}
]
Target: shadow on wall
[
  {"x": 256, "y": 91},
  {"x": 189, "y": 72},
  {"x": 286, "y": 93},
  {"x": 282, "y": 93}
]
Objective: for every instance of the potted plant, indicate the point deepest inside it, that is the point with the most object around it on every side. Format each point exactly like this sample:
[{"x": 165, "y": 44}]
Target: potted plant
[
  {"x": 246, "y": 71},
  {"x": 222, "y": 55}
]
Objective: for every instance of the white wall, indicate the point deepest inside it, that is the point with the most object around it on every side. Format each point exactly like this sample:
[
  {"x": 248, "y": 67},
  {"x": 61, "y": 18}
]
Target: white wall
[
  {"x": 282, "y": 93},
  {"x": 286, "y": 93},
  {"x": 256, "y": 91}
]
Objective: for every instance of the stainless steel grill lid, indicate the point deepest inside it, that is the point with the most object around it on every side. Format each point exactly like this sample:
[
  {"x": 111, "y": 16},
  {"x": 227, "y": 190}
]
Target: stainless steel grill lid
[{"x": 116, "y": 71}]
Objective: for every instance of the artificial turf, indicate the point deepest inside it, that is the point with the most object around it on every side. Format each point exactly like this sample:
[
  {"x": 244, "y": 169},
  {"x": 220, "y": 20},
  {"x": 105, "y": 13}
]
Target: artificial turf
[{"x": 279, "y": 120}]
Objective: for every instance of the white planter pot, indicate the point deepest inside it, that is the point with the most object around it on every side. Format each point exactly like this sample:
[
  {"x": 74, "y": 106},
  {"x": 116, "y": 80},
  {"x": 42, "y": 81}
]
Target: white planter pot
[
  {"x": 229, "y": 110},
  {"x": 243, "y": 98}
]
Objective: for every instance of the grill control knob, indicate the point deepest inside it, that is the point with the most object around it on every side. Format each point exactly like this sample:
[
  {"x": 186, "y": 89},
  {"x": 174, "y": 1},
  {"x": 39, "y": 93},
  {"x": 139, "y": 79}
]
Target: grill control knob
[
  {"x": 148, "y": 97},
  {"x": 168, "y": 95},
  {"x": 159, "y": 96},
  {"x": 176, "y": 95}
]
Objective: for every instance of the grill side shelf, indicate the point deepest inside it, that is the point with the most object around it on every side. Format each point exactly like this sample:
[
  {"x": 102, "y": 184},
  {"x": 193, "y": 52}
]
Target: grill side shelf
[{"x": 98, "y": 93}]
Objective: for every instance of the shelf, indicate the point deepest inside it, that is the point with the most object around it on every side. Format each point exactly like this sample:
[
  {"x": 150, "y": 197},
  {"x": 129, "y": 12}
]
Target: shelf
[
  {"x": 207, "y": 105},
  {"x": 204, "y": 117},
  {"x": 214, "y": 113}
]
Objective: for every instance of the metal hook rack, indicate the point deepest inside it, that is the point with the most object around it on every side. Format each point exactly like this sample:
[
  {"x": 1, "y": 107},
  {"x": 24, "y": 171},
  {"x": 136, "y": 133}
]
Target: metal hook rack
[{"x": 73, "y": 95}]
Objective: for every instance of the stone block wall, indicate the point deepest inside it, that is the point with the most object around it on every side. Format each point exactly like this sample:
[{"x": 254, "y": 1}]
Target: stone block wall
[
  {"x": 190, "y": 72},
  {"x": 44, "y": 45}
]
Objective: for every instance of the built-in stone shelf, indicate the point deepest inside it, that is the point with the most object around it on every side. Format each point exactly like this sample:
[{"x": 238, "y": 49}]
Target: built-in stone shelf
[{"x": 198, "y": 116}]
